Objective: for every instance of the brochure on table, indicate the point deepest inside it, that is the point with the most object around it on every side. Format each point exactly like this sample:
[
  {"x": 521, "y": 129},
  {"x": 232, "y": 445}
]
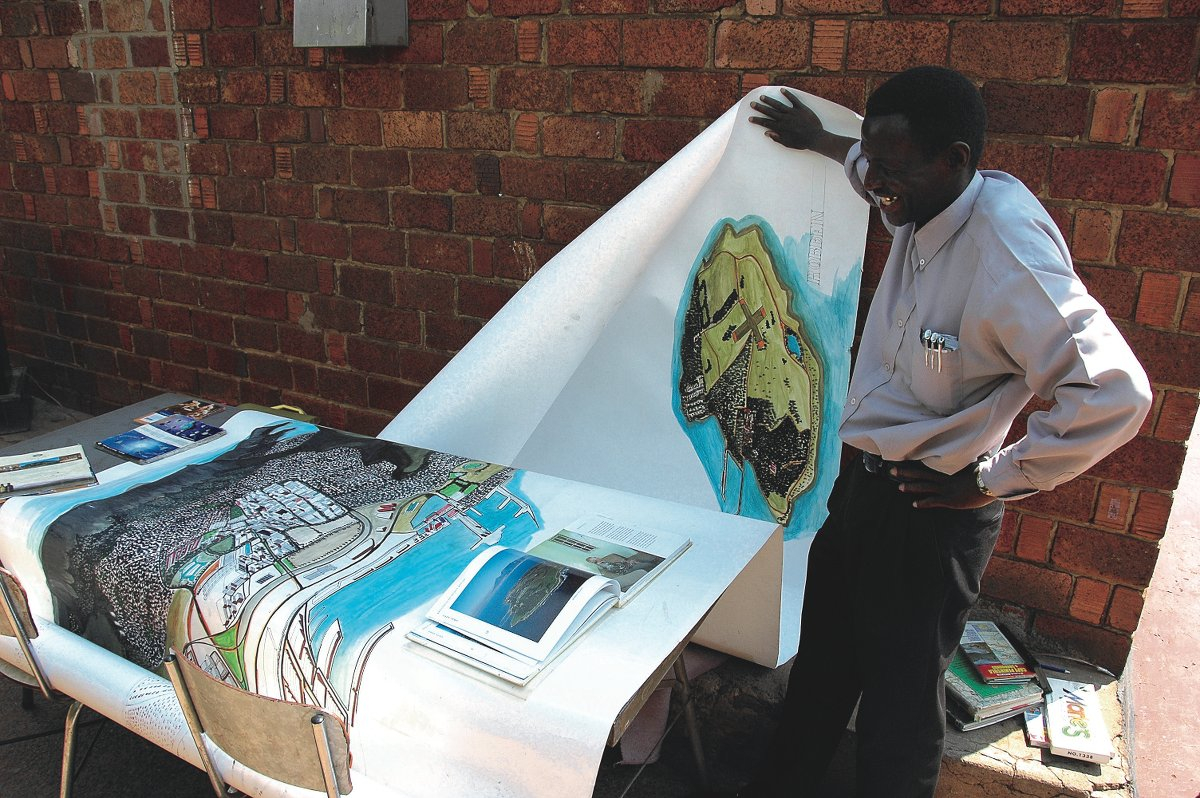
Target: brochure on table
[
  {"x": 600, "y": 368},
  {"x": 419, "y": 726}
]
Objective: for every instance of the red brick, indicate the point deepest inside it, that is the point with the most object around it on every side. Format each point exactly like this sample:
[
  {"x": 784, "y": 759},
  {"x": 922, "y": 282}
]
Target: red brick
[
  {"x": 197, "y": 87},
  {"x": 314, "y": 89},
  {"x": 607, "y": 91},
  {"x": 322, "y": 165},
  {"x": 288, "y": 199},
  {"x": 326, "y": 240},
  {"x": 1125, "y": 609},
  {"x": 1093, "y": 237},
  {"x": 482, "y": 300},
  {"x": 172, "y": 224},
  {"x": 1191, "y": 309},
  {"x": 1177, "y": 416},
  {"x": 1116, "y": 558},
  {"x": 485, "y": 216},
  {"x": 793, "y": 8},
  {"x": 666, "y": 43},
  {"x": 1030, "y": 585},
  {"x": 656, "y": 140},
  {"x": 412, "y": 129},
  {"x": 191, "y": 14},
  {"x": 450, "y": 332},
  {"x": 700, "y": 94},
  {"x": 471, "y": 130},
  {"x": 588, "y": 42},
  {"x": 1056, "y": 8},
  {"x": 65, "y": 19},
  {"x": 378, "y": 245},
  {"x": 230, "y": 49},
  {"x": 1020, "y": 51},
  {"x": 1072, "y": 501},
  {"x": 1033, "y": 540},
  {"x": 421, "y": 367},
  {"x": 435, "y": 89},
  {"x": 436, "y": 253},
  {"x": 379, "y": 168},
  {"x": 365, "y": 283},
  {"x": 950, "y": 7},
  {"x": 1037, "y": 109},
  {"x": 255, "y": 232},
  {"x": 1162, "y": 241},
  {"x": 1090, "y": 599},
  {"x": 1111, "y": 115},
  {"x": 232, "y": 123},
  {"x": 1133, "y": 52},
  {"x": 293, "y": 272},
  {"x": 373, "y": 88},
  {"x": 251, "y": 160},
  {"x": 428, "y": 291},
  {"x": 765, "y": 44},
  {"x": 118, "y": 122},
  {"x": 579, "y": 136},
  {"x": 891, "y": 46},
  {"x": 244, "y": 88},
  {"x": 122, "y": 16},
  {"x": 584, "y": 7},
  {"x": 235, "y": 14},
  {"x": 138, "y": 88},
  {"x": 1113, "y": 506},
  {"x": 420, "y": 210},
  {"x": 163, "y": 190},
  {"x": 531, "y": 89},
  {"x": 275, "y": 48},
  {"x": 1158, "y": 299},
  {"x": 481, "y": 41},
  {"x": 1152, "y": 514},
  {"x": 532, "y": 178},
  {"x": 693, "y": 6},
  {"x": 239, "y": 194},
  {"x": 1144, "y": 461},
  {"x": 1133, "y": 178},
  {"x": 335, "y": 313},
  {"x": 361, "y": 206},
  {"x": 438, "y": 9},
  {"x": 1185, "y": 181},
  {"x": 520, "y": 8},
  {"x": 373, "y": 357},
  {"x": 443, "y": 171},
  {"x": 354, "y": 127},
  {"x": 565, "y": 222},
  {"x": 390, "y": 396}
]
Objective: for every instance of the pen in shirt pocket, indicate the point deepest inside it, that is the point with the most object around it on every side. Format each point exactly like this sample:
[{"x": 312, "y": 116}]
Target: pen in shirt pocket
[{"x": 935, "y": 344}]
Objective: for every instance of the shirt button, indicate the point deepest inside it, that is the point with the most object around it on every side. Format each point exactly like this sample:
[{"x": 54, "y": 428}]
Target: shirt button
[
  {"x": 922, "y": 261},
  {"x": 899, "y": 322},
  {"x": 853, "y": 401},
  {"x": 887, "y": 367}
]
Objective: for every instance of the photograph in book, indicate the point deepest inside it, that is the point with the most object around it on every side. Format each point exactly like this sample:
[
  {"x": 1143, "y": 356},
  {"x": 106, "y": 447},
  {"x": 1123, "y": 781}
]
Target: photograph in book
[
  {"x": 150, "y": 442},
  {"x": 632, "y": 556}
]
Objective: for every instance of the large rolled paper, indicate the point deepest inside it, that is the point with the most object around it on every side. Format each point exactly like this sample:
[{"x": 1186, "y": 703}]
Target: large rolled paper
[{"x": 692, "y": 345}]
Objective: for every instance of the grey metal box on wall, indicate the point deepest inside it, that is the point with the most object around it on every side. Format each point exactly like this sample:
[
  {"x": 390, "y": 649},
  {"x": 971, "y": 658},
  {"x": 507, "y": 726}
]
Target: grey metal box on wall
[{"x": 350, "y": 23}]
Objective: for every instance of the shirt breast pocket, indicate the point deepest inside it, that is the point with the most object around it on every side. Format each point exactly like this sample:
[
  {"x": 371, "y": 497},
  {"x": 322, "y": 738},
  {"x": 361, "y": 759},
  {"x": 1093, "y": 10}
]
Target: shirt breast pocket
[{"x": 937, "y": 379}]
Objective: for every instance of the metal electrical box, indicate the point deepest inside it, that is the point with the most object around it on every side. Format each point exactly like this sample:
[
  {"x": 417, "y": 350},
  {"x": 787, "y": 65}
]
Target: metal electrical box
[{"x": 350, "y": 23}]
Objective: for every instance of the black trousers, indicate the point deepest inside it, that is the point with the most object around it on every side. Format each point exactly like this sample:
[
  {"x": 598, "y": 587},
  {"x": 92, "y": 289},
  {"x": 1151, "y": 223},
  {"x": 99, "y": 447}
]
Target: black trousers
[{"x": 887, "y": 595}]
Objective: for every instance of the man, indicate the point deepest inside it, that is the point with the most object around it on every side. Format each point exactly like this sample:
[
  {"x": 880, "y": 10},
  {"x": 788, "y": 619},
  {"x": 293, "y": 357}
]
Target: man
[{"x": 977, "y": 310}]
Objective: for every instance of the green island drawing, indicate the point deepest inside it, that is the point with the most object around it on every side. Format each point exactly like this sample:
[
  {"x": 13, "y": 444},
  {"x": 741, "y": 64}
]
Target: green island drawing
[{"x": 747, "y": 362}]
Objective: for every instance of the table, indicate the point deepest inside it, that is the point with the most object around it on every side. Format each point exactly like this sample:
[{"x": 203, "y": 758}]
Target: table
[{"x": 420, "y": 724}]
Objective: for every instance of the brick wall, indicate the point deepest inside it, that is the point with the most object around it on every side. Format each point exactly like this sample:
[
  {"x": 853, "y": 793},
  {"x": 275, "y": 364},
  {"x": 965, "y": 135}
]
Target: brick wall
[{"x": 189, "y": 203}]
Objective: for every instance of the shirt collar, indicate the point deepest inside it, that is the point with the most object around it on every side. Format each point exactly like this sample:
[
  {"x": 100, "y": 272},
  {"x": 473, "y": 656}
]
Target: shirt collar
[{"x": 941, "y": 228}]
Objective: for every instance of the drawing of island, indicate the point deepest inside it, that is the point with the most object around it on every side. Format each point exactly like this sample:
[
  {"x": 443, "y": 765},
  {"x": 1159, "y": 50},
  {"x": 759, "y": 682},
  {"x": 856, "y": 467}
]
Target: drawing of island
[{"x": 747, "y": 362}]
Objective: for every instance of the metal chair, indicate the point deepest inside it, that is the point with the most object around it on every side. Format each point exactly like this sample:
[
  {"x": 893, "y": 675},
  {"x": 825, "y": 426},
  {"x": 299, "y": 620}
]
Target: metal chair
[
  {"x": 298, "y": 744},
  {"x": 17, "y": 621}
]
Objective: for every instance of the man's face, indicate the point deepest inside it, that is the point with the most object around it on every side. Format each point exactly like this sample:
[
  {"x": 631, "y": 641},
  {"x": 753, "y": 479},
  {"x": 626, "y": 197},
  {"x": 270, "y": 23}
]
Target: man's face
[{"x": 910, "y": 185}]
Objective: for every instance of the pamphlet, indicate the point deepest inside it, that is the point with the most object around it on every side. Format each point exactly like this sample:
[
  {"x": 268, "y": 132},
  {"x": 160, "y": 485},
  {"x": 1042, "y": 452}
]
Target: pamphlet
[
  {"x": 511, "y": 612},
  {"x": 150, "y": 442},
  {"x": 47, "y": 471},
  {"x": 979, "y": 700},
  {"x": 1074, "y": 723},
  {"x": 193, "y": 408},
  {"x": 996, "y": 659}
]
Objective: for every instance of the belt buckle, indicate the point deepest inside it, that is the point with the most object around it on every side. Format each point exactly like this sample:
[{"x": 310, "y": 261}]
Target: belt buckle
[{"x": 873, "y": 463}]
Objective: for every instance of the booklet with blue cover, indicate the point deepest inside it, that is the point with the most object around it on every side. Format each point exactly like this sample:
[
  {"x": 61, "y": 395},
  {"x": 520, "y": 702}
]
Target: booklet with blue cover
[{"x": 150, "y": 442}]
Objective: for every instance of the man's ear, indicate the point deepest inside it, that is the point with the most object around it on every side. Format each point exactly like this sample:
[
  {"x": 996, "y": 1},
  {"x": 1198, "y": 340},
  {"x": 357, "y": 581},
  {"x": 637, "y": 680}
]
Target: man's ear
[{"x": 958, "y": 156}]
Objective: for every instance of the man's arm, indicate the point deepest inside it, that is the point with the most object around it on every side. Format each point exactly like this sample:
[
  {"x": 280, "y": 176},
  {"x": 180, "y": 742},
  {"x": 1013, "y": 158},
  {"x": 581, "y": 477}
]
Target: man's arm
[{"x": 797, "y": 127}]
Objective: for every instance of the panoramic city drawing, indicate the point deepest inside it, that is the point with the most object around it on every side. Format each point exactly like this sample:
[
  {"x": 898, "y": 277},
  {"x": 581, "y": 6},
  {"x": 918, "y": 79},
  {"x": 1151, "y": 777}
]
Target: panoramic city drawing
[{"x": 281, "y": 564}]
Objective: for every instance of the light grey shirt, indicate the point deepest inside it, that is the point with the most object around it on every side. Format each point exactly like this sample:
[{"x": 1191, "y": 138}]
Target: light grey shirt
[{"x": 993, "y": 272}]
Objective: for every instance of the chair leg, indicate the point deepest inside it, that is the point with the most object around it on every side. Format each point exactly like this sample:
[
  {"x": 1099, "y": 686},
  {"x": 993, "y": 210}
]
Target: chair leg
[
  {"x": 689, "y": 719},
  {"x": 68, "y": 754}
]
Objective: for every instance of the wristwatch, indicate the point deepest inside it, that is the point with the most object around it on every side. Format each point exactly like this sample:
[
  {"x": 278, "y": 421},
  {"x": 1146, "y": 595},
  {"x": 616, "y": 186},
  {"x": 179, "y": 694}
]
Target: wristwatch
[{"x": 983, "y": 489}]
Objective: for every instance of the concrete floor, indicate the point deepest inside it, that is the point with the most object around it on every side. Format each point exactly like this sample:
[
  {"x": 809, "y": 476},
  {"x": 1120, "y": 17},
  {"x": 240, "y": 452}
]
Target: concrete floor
[{"x": 736, "y": 703}]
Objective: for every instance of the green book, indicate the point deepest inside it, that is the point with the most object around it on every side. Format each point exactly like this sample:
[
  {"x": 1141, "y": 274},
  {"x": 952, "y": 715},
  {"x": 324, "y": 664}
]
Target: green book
[{"x": 964, "y": 685}]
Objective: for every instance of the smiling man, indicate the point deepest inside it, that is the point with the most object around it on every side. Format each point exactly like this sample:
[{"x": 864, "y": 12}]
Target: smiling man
[{"x": 978, "y": 309}]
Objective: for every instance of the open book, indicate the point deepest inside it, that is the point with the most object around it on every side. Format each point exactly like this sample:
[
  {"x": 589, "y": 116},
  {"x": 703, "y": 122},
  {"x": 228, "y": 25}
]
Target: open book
[
  {"x": 149, "y": 442},
  {"x": 47, "y": 471},
  {"x": 511, "y": 612}
]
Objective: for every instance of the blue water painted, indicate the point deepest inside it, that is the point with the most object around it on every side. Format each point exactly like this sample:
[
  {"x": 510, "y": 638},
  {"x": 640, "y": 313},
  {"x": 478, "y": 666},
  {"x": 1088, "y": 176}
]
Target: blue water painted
[
  {"x": 422, "y": 573},
  {"x": 828, "y": 320}
]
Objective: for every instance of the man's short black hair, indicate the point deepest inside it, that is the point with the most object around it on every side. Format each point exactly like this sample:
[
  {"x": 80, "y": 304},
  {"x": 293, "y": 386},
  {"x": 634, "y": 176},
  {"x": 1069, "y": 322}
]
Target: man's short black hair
[{"x": 940, "y": 105}]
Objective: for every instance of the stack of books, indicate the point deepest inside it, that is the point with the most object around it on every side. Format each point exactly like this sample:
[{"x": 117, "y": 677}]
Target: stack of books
[{"x": 988, "y": 680}]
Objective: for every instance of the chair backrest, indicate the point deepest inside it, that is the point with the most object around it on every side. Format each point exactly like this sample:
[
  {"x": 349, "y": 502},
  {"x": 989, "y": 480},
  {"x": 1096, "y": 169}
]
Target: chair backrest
[
  {"x": 17, "y": 621},
  {"x": 290, "y": 742}
]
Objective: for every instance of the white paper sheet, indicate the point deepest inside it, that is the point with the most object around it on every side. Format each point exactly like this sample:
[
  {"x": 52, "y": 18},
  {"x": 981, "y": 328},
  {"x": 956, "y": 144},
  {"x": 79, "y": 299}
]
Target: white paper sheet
[{"x": 577, "y": 374}]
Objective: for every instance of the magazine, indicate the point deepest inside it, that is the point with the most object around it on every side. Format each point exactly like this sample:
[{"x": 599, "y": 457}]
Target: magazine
[
  {"x": 193, "y": 408},
  {"x": 47, "y": 471},
  {"x": 511, "y": 612},
  {"x": 150, "y": 442},
  {"x": 993, "y": 655}
]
